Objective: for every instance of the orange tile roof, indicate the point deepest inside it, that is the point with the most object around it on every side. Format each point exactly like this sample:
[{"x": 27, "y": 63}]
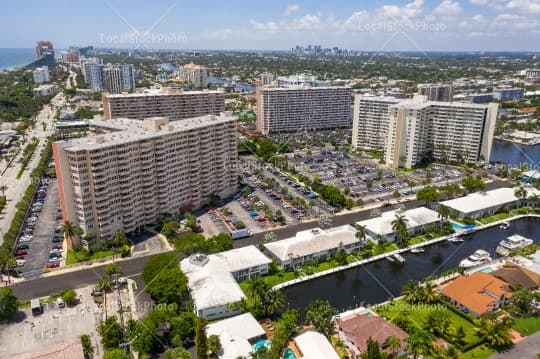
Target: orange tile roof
[
  {"x": 478, "y": 292},
  {"x": 527, "y": 110}
]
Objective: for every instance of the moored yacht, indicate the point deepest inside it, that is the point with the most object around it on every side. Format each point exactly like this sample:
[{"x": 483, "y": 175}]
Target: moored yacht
[
  {"x": 504, "y": 225},
  {"x": 511, "y": 243},
  {"x": 479, "y": 257}
]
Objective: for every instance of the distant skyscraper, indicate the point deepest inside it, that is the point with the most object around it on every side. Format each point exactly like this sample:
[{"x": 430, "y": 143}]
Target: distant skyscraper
[
  {"x": 43, "y": 48},
  {"x": 436, "y": 92},
  {"x": 195, "y": 74},
  {"x": 267, "y": 78},
  {"x": 113, "y": 78}
]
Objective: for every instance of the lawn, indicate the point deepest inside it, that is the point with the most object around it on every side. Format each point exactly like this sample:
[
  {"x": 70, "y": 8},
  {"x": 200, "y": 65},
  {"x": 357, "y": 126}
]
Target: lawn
[
  {"x": 504, "y": 215},
  {"x": 527, "y": 325},
  {"x": 73, "y": 257},
  {"x": 480, "y": 352},
  {"x": 418, "y": 312}
]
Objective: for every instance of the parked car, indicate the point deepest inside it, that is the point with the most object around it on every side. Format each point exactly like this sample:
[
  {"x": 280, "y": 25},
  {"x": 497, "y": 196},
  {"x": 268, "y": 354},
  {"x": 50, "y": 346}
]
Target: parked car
[
  {"x": 20, "y": 262},
  {"x": 23, "y": 246},
  {"x": 57, "y": 240},
  {"x": 53, "y": 265},
  {"x": 20, "y": 252}
]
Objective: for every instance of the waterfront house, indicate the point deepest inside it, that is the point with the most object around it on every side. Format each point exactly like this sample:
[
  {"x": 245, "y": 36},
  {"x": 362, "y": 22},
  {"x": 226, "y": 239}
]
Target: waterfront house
[
  {"x": 313, "y": 243},
  {"x": 417, "y": 219},
  {"x": 314, "y": 345},
  {"x": 480, "y": 204},
  {"x": 212, "y": 279},
  {"x": 515, "y": 275},
  {"x": 356, "y": 329},
  {"x": 478, "y": 293},
  {"x": 237, "y": 335}
]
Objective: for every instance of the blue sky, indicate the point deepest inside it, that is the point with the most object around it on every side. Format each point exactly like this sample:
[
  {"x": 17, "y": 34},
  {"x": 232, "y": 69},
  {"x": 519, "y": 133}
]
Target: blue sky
[{"x": 380, "y": 25}]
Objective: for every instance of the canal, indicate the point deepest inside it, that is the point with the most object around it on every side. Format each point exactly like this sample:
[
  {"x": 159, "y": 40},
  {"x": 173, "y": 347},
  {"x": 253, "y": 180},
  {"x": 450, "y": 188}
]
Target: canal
[
  {"x": 379, "y": 281},
  {"x": 514, "y": 154}
]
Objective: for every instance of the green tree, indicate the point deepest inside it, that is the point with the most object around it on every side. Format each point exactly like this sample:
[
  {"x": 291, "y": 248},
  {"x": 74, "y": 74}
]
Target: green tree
[
  {"x": 113, "y": 268},
  {"x": 111, "y": 332},
  {"x": 88, "y": 349},
  {"x": 373, "y": 350},
  {"x": 274, "y": 301},
  {"x": 399, "y": 227},
  {"x": 71, "y": 230},
  {"x": 120, "y": 238},
  {"x": 521, "y": 193},
  {"x": 495, "y": 331},
  {"x": 201, "y": 344},
  {"x": 472, "y": 184},
  {"x": 319, "y": 313},
  {"x": 214, "y": 346},
  {"x": 114, "y": 354},
  {"x": 177, "y": 353},
  {"x": 8, "y": 303},
  {"x": 394, "y": 344},
  {"x": 69, "y": 296},
  {"x": 169, "y": 230},
  {"x": 411, "y": 291},
  {"x": 361, "y": 233},
  {"x": 419, "y": 344},
  {"x": 429, "y": 194},
  {"x": 444, "y": 214}
]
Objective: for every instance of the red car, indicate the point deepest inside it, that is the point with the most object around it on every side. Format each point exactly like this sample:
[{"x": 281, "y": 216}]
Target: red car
[
  {"x": 53, "y": 265},
  {"x": 20, "y": 253}
]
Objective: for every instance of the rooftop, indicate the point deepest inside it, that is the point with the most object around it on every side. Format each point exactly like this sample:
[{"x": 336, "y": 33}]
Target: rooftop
[
  {"x": 312, "y": 241},
  {"x": 477, "y": 292},
  {"x": 128, "y": 131},
  {"x": 304, "y": 88},
  {"x": 515, "y": 275},
  {"x": 382, "y": 225},
  {"x": 210, "y": 279},
  {"x": 163, "y": 92},
  {"x": 71, "y": 350},
  {"x": 482, "y": 200},
  {"x": 314, "y": 345},
  {"x": 360, "y": 327},
  {"x": 235, "y": 334}
]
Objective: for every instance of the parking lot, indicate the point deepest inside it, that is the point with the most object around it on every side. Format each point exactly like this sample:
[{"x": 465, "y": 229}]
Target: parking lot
[
  {"x": 35, "y": 249},
  {"x": 56, "y": 325}
]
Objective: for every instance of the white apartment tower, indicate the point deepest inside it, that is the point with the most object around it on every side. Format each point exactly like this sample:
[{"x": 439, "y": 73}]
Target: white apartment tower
[
  {"x": 41, "y": 75},
  {"x": 171, "y": 103},
  {"x": 418, "y": 130},
  {"x": 136, "y": 171},
  {"x": 196, "y": 74},
  {"x": 372, "y": 128},
  {"x": 302, "y": 108},
  {"x": 436, "y": 92}
]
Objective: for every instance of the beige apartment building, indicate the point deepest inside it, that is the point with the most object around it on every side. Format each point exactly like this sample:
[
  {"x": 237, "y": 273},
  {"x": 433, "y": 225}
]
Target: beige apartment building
[
  {"x": 195, "y": 74},
  {"x": 130, "y": 172},
  {"x": 290, "y": 109},
  {"x": 372, "y": 128},
  {"x": 419, "y": 130},
  {"x": 171, "y": 103}
]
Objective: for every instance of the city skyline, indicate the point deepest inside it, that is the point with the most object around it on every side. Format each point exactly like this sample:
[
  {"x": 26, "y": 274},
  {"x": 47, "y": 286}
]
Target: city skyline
[{"x": 414, "y": 25}]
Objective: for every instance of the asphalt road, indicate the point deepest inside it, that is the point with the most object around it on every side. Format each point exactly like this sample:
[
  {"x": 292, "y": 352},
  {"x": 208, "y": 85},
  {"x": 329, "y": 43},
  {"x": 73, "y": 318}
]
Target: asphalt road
[{"x": 132, "y": 267}]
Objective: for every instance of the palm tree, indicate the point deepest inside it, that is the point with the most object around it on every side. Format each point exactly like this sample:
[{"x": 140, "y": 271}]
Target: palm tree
[
  {"x": 7, "y": 262},
  {"x": 495, "y": 331},
  {"x": 533, "y": 200},
  {"x": 3, "y": 188},
  {"x": 444, "y": 214},
  {"x": 520, "y": 193},
  {"x": 411, "y": 291},
  {"x": 257, "y": 291},
  {"x": 361, "y": 233},
  {"x": 419, "y": 344},
  {"x": 428, "y": 293},
  {"x": 70, "y": 231},
  {"x": 274, "y": 301},
  {"x": 394, "y": 344},
  {"x": 399, "y": 227}
]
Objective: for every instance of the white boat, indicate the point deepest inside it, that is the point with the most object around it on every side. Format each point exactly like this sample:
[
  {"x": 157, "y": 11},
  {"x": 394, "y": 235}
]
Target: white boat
[
  {"x": 504, "y": 225},
  {"x": 511, "y": 243},
  {"x": 417, "y": 250},
  {"x": 456, "y": 240},
  {"x": 399, "y": 258},
  {"x": 479, "y": 257},
  {"x": 391, "y": 258}
]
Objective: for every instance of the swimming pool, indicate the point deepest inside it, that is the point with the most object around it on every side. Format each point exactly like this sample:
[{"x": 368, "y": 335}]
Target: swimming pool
[
  {"x": 261, "y": 343},
  {"x": 486, "y": 270},
  {"x": 458, "y": 227},
  {"x": 289, "y": 354}
]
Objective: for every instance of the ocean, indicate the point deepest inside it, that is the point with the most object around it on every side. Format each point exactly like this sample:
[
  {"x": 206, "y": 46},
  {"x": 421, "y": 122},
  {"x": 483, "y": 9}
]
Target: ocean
[{"x": 10, "y": 58}]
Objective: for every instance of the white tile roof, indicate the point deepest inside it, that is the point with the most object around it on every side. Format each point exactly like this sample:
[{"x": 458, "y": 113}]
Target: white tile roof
[
  {"x": 314, "y": 345},
  {"x": 312, "y": 241},
  {"x": 482, "y": 200},
  {"x": 234, "y": 334},
  {"x": 415, "y": 217},
  {"x": 211, "y": 283}
]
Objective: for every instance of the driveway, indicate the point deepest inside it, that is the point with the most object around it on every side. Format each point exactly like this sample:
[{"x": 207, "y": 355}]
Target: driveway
[{"x": 526, "y": 349}]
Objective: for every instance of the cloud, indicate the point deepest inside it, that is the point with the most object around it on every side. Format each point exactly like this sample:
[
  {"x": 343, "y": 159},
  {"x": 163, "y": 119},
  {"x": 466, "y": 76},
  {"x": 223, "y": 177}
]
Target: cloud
[
  {"x": 268, "y": 27},
  {"x": 292, "y": 8},
  {"x": 448, "y": 8},
  {"x": 479, "y": 2},
  {"x": 306, "y": 22},
  {"x": 479, "y": 18},
  {"x": 526, "y": 7}
]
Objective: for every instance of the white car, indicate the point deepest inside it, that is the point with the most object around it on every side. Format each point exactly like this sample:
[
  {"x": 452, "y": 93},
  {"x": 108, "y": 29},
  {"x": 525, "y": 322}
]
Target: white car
[
  {"x": 20, "y": 262},
  {"x": 25, "y": 239}
]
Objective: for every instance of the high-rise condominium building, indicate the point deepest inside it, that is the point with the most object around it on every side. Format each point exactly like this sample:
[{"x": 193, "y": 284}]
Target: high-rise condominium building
[
  {"x": 418, "y": 130},
  {"x": 127, "y": 176},
  {"x": 196, "y": 74},
  {"x": 303, "y": 108},
  {"x": 113, "y": 78},
  {"x": 41, "y": 75},
  {"x": 532, "y": 75},
  {"x": 171, "y": 103},
  {"x": 372, "y": 128},
  {"x": 301, "y": 80},
  {"x": 436, "y": 92},
  {"x": 267, "y": 78}
]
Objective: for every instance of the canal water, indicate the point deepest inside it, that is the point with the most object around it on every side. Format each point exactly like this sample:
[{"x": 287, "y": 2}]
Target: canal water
[
  {"x": 514, "y": 154},
  {"x": 379, "y": 281}
]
